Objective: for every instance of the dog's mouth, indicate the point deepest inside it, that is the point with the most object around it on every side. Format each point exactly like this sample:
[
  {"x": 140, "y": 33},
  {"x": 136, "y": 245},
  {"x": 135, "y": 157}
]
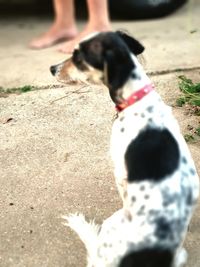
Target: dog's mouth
[
  {"x": 64, "y": 72},
  {"x": 68, "y": 72}
]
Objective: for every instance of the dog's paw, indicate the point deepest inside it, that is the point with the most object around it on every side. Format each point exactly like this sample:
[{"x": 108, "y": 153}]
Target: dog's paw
[{"x": 181, "y": 258}]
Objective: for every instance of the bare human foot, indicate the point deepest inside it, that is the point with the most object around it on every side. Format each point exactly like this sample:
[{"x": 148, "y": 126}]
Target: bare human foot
[
  {"x": 53, "y": 36},
  {"x": 69, "y": 46}
]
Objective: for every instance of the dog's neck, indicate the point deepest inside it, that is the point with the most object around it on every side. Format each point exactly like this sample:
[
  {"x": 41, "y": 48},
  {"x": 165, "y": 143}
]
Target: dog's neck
[
  {"x": 137, "y": 81},
  {"x": 137, "y": 86},
  {"x": 135, "y": 97}
]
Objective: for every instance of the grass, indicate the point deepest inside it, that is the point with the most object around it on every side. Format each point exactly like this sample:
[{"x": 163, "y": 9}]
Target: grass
[
  {"x": 198, "y": 131},
  {"x": 5, "y": 92},
  {"x": 16, "y": 90},
  {"x": 191, "y": 97},
  {"x": 191, "y": 92},
  {"x": 189, "y": 138}
]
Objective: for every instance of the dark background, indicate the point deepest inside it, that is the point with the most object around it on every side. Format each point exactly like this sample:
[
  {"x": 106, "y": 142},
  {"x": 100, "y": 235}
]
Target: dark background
[{"x": 124, "y": 9}]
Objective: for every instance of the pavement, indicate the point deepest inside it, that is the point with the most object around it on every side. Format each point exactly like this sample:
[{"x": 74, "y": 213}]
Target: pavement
[{"x": 54, "y": 141}]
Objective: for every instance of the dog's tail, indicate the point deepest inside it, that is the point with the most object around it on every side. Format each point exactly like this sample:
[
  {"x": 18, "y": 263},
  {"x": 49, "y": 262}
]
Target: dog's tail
[{"x": 87, "y": 231}]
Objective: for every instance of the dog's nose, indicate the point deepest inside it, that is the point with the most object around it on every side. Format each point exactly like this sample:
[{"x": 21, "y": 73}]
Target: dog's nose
[{"x": 53, "y": 70}]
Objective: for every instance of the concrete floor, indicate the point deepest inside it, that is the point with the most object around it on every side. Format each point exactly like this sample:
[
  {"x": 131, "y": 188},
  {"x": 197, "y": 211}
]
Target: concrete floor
[{"x": 54, "y": 141}]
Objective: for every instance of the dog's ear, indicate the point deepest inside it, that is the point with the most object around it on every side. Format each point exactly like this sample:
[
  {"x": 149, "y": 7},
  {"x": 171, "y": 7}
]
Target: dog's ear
[
  {"x": 118, "y": 67},
  {"x": 135, "y": 47}
]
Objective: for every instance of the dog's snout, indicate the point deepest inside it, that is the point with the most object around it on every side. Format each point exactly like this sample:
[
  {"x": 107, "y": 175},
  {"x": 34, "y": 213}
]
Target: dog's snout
[{"x": 53, "y": 70}]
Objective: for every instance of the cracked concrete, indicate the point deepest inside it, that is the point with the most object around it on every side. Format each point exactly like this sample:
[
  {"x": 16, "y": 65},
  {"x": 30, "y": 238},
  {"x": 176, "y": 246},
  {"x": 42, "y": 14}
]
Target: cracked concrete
[{"x": 54, "y": 142}]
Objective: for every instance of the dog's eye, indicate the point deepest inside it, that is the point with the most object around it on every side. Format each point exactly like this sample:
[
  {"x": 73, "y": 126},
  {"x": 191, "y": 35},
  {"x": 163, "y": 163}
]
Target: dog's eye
[
  {"x": 78, "y": 60},
  {"x": 77, "y": 57}
]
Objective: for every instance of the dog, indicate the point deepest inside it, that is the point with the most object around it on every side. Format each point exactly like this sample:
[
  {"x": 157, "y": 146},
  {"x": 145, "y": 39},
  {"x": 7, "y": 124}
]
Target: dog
[{"x": 154, "y": 171}]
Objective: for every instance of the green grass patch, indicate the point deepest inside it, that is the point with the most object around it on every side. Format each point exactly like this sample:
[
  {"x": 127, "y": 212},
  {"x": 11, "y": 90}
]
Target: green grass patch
[
  {"x": 17, "y": 90},
  {"x": 192, "y": 137},
  {"x": 191, "y": 97},
  {"x": 198, "y": 131},
  {"x": 189, "y": 138},
  {"x": 191, "y": 92}
]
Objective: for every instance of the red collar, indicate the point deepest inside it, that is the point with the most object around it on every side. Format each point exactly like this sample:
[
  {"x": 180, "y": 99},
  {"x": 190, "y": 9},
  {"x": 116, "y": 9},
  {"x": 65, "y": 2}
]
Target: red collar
[{"x": 136, "y": 96}]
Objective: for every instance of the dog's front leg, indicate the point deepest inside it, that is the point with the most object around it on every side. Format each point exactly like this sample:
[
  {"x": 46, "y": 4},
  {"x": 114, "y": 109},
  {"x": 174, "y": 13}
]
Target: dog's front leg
[
  {"x": 118, "y": 146},
  {"x": 120, "y": 171},
  {"x": 121, "y": 182}
]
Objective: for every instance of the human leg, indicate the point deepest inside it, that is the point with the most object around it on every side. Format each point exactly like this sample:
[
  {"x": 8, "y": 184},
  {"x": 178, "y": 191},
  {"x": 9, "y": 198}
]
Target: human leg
[
  {"x": 63, "y": 26},
  {"x": 98, "y": 20}
]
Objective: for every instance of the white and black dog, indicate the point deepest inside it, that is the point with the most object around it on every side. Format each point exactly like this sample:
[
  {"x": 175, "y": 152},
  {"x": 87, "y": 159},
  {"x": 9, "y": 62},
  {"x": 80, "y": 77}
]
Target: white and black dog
[{"x": 154, "y": 171}]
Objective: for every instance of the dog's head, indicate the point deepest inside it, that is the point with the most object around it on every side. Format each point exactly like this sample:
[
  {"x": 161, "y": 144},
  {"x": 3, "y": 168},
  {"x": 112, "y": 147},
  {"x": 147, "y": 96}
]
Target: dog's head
[{"x": 106, "y": 56}]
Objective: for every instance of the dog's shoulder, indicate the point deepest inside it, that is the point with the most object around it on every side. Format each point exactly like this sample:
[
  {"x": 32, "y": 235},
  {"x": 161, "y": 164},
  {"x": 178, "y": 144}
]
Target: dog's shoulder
[{"x": 155, "y": 153}]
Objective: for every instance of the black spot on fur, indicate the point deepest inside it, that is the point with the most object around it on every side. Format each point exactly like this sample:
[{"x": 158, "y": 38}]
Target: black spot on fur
[
  {"x": 142, "y": 188},
  {"x": 150, "y": 109},
  {"x": 188, "y": 195},
  {"x": 122, "y": 130},
  {"x": 163, "y": 228},
  {"x": 141, "y": 210},
  {"x": 142, "y": 115},
  {"x": 133, "y": 199},
  {"x": 134, "y": 76},
  {"x": 192, "y": 171},
  {"x": 148, "y": 257},
  {"x": 189, "y": 199},
  {"x": 152, "y": 155},
  {"x": 146, "y": 196},
  {"x": 184, "y": 160},
  {"x": 168, "y": 201},
  {"x": 168, "y": 197},
  {"x": 154, "y": 212}
]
